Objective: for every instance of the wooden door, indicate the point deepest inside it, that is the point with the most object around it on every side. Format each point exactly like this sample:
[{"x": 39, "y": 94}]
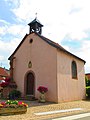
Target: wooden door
[{"x": 30, "y": 84}]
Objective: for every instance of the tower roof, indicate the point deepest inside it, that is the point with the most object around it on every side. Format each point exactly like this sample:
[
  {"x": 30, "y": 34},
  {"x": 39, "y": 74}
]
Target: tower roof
[
  {"x": 35, "y": 26},
  {"x": 35, "y": 21}
]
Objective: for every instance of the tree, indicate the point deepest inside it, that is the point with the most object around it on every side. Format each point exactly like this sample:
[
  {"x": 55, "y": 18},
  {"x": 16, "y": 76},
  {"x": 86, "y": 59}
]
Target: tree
[{"x": 87, "y": 81}]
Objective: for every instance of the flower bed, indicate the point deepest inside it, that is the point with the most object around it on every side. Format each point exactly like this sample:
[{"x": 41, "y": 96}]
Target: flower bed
[
  {"x": 13, "y": 107},
  {"x": 9, "y": 111}
]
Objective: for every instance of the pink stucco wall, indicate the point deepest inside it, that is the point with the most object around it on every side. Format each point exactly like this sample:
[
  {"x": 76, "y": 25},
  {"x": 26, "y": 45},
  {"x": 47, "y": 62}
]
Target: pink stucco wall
[
  {"x": 69, "y": 89},
  {"x": 44, "y": 59}
]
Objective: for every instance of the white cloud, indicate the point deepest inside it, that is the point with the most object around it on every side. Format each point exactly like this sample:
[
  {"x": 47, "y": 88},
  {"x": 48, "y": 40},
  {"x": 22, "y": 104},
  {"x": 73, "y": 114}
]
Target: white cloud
[
  {"x": 13, "y": 29},
  {"x": 13, "y": 3},
  {"x": 2, "y": 30},
  {"x": 3, "y": 21},
  {"x": 3, "y": 27},
  {"x": 24, "y": 9},
  {"x": 60, "y": 18},
  {"x": 84, "y": 53},
  {"x": 1, "y": 58},
  {"x": 8, "y": 47},
  {"x": 17, "y": 30},
  {"x": 13, "y": 44}
]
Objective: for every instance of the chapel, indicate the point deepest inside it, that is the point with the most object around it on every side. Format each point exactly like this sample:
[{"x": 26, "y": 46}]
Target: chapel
[{"x": 39, "y": 61}]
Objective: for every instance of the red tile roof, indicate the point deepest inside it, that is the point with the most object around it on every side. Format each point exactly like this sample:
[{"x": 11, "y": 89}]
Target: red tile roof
[
  {"x": 3, "y": 72},
  {"x": 1, "y": 78}
]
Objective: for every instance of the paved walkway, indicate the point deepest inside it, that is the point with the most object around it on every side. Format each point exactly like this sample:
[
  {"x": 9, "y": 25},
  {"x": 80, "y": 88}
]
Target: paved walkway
[
  {"x": 58, "y": 111},
  {"x": 85, "y": 116},
  {"x": 53, "y": 110}
]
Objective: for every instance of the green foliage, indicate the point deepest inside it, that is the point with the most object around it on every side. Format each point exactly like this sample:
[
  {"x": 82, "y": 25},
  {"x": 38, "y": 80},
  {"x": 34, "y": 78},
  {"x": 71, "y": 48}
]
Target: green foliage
[
  {"x": 88, "y": 91},
  {"x": 12, "y": 102},
  {"x": 14, "y": 94},
  {"x": 87, "y": 81}
]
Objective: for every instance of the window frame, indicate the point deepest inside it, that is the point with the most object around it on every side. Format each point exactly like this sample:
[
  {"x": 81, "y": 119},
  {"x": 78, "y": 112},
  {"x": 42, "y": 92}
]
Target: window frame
[{"x": 74, "y": 70}]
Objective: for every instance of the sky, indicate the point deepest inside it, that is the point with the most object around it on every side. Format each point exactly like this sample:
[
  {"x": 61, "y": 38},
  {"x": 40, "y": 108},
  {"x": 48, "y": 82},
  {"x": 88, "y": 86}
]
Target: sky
[{"x": 66, "y": 22}]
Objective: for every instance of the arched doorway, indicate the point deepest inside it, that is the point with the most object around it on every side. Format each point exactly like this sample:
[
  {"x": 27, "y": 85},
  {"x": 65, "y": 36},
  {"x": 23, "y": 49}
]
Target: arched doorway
[{"x": 30, "y": 82}]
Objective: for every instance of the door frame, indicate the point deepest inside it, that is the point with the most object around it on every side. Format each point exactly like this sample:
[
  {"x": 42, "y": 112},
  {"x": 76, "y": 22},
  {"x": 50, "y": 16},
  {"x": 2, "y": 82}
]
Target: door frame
[{"x": 25, "y": 83}]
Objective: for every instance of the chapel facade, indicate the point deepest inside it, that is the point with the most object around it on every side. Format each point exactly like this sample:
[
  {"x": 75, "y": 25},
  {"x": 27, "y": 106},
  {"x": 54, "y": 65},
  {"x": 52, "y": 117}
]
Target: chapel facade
[{"x": 39, "y": 61}]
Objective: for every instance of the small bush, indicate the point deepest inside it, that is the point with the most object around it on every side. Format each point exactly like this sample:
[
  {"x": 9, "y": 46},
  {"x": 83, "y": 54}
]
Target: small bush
[
  {"x": 87, "y": 81},
  {"x": 14, "y": 94},
  {"x": 88, "y": 91}
]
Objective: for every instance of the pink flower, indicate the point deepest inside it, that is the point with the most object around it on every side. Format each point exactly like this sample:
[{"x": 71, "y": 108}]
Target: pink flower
[
  {"x": 3, "y": 103},
  {"x": 20, "y": 103}
]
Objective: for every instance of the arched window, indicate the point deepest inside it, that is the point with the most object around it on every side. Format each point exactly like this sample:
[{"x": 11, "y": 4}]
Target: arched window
[{"x": 74, "y": 70}]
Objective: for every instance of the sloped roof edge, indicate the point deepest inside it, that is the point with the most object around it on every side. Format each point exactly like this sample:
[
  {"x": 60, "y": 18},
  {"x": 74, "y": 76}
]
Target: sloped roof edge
[
  {"x": 50, "y": 42},
  {"x": 56, "y": 45},
  {"x": 18, "y": 46}
]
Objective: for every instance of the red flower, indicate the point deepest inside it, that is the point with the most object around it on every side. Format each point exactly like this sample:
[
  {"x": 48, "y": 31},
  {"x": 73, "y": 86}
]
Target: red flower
[
  {"x": 3, "y": 103},
  {"x": 5, "y": 83},
  {"x": 20, "y": 103},
  {"x": 7, "y": 80},
  {"x": 42, "y": 89}
]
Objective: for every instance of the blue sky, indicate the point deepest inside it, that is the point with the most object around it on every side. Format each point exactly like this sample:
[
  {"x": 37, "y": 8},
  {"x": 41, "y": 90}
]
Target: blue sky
[{"x": 66, "y": 22}]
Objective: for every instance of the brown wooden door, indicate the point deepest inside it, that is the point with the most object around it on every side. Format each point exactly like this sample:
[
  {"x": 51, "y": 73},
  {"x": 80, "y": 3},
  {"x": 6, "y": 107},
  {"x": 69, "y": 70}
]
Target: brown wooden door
[{"x": 30, "y": 84}]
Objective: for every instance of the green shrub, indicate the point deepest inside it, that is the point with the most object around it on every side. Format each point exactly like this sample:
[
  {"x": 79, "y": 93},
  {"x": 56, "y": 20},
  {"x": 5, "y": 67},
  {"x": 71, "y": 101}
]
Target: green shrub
[
  {"x": 88, "y": 91},
  {"x": 87, "y": 81},
  {"x": 14, "y": 94}
]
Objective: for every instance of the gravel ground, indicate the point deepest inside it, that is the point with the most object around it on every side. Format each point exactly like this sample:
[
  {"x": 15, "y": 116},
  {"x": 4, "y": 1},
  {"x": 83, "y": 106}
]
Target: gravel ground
[{"x": 35, "y": 107}]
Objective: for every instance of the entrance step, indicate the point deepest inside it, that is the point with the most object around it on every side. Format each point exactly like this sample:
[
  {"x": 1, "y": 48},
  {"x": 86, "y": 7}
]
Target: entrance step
[{"x": 31, "y": 98}]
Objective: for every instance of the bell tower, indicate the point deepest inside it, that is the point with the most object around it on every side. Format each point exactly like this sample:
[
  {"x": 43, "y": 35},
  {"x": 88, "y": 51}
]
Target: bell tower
[{"x": 35, "y": 26}]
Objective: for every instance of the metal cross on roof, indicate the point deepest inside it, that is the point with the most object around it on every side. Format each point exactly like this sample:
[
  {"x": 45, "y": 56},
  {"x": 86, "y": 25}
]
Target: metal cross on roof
[{"x": 36, "y": 15}]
